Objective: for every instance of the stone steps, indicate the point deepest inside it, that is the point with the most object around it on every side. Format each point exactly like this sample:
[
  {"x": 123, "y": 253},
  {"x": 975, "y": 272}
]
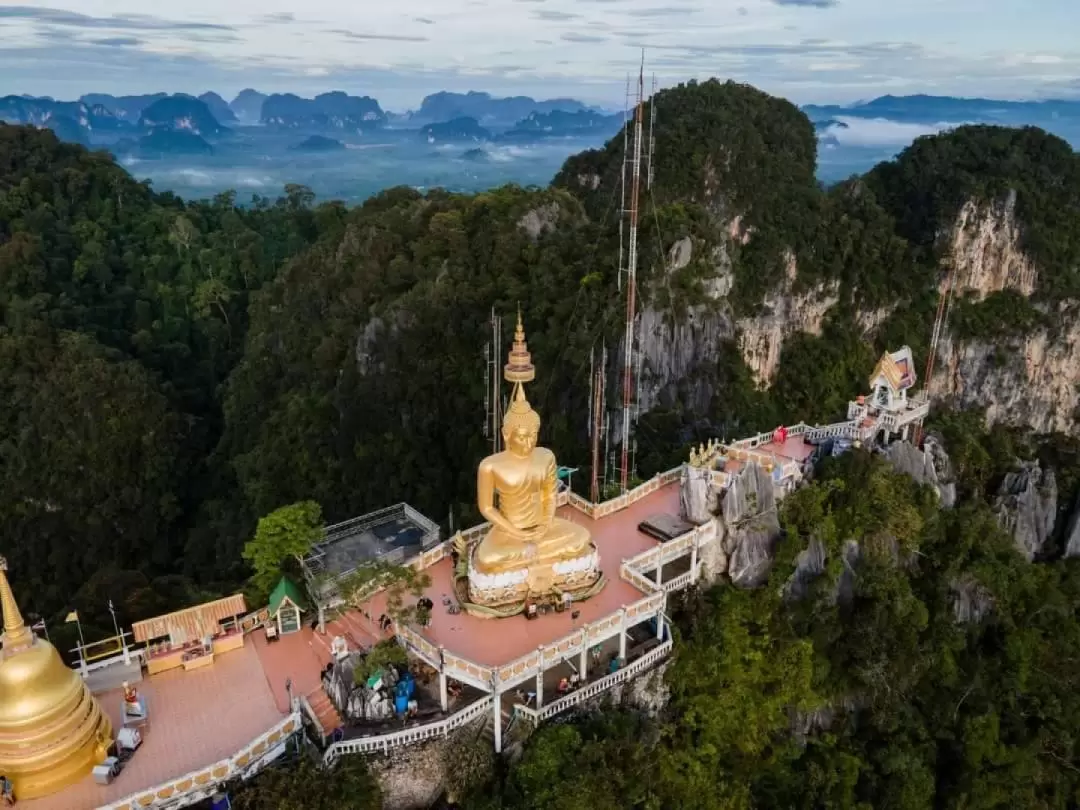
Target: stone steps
[{"x": 324, "y": 710}]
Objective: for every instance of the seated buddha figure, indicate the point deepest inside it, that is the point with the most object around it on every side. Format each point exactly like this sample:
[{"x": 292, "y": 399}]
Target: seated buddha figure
[{"x": 516, "y": 491}]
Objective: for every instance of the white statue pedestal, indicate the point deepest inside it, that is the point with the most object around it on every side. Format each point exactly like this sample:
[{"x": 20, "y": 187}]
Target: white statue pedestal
[{"x": 508, "y": 592}]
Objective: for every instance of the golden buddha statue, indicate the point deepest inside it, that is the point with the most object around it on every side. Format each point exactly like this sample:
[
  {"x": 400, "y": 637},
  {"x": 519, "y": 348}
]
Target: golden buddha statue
[
  {"x": 528, "y": 550},
  {"x": 52, "y": 730}
]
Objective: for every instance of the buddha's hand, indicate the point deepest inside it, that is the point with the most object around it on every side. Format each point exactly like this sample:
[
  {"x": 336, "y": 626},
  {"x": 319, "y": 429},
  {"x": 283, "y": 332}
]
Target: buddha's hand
[{"x": 530, "y": 551}]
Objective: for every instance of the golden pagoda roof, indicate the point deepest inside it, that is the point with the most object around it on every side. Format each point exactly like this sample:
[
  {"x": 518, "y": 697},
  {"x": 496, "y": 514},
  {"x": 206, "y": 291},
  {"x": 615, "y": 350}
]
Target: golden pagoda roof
[{"x": 52, "y": 731}]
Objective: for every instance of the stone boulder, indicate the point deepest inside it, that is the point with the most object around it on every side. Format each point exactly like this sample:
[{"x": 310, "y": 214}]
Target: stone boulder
[
  {"x": 930, "y": 465},
  {"x": 697, "y": 500},
  {"x": 971, "y": 602},
  {"x": 751, "y": 526},
  {"x": 1026, "y": 507}
]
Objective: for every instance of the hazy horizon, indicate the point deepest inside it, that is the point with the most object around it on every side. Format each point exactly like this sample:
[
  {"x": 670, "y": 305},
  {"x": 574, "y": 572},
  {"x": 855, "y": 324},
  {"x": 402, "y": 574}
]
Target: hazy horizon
[{"x": 809, "y": 51}]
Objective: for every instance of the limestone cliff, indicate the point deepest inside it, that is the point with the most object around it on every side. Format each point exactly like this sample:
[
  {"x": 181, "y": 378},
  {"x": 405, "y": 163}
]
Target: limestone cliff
[
  {"x": 785, "y": 313},
  {"x": 986, "y": 253},
  {"x": 680, "y": 343},
  {"x": 1033, "y": 380}
]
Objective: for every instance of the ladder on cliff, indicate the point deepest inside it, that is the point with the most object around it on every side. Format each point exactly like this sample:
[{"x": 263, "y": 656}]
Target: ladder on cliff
[{"x": 941, "y": 318}]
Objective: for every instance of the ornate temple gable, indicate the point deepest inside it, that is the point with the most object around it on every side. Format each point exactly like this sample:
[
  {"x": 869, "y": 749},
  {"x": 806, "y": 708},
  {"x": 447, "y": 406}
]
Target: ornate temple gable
[{"x": 894, "y": 369}]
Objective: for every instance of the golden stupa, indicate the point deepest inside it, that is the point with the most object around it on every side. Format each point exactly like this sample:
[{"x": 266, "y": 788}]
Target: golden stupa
[{"x": 52, "y": 731}]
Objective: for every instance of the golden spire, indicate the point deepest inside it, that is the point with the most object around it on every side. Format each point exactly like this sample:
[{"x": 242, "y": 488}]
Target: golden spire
[
  {"x": 16, "y": 635},
  {"x": 519, "y": 368}
]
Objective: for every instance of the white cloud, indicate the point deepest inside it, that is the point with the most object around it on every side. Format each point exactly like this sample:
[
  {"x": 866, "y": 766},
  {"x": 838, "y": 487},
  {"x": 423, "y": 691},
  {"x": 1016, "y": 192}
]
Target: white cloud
[
  {"x": 881, "y": 132},
  {"x": 801, "y": 49}
]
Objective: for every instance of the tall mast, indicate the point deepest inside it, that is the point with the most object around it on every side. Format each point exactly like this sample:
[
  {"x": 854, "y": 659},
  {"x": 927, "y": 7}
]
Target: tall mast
[
  {"x": 596, "y": 422},
  {"x": 493, "y": 384},
  {"x": 631, "y": 278}
]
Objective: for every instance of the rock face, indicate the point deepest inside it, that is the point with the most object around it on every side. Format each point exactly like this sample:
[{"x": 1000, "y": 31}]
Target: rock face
[
  {"x": 751, "y": 526},
  {"x": 786, "y": 313},
  {"x": 809, "y": 565},
  {"x": 697, "y": 500},
  {"x": 930, "y": 466},
  {"x": 1026, "y": 506},
  {"x": 971, "y": 602},
  {"x": 986, "y": 250},
  {"x": 675, "y": 350},
  {"x": 1033, "y": 381},
  {"x": 1072, "y": 533}
]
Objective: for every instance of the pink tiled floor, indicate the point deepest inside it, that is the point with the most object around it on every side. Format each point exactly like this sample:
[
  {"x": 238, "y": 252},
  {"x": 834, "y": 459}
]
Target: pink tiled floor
[
  {"x": 298, "y": 656},
  {"x": 490, "y": 641},
  {"x": 196, "y": 719},
  {"x": 794, "y": 448}
]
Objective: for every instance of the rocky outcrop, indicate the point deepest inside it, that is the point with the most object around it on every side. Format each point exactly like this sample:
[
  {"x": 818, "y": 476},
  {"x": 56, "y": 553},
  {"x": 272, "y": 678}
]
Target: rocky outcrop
[
  {"x": 971, "y": 602},
  {"x": 751, "y": 526},
  {"x": 786, "y": 313},
  {"x": 986, "y": 251},
  {"x": 809, "y": 565},
  {"x": 540, "y": 220},
  {"x": 1026, "y": 506},
  {"x": 1072, "y": 532},
  {"x": 930, "y": 466},
  {"x": 697, "y": 499}
]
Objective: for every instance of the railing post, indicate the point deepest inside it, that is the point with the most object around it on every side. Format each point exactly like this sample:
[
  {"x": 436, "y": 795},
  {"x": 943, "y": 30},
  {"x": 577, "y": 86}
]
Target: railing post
[
  {"x": 540, "y": 678},
  {"x": 583, "y": 655},
  {"x": 622, "y": 634},
  {"x": 444, "y": 698},
  {"x": 496, "y": 706}
]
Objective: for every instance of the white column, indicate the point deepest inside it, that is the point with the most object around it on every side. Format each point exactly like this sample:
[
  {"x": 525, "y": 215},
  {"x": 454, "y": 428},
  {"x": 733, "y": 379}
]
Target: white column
[
  {"x": 540, "y": 680},
  {"x": 322, "y": 619},
  {"x": 622, "y": 634},
  {"x": 660, "y": 569},
  {"x": 660, "y": 619},
  {"x": 444, "y": 698},
  {"x": 583, "y": 656},
  {"x": 497, "y": 709},
  {"x": 693, "y": 558}
]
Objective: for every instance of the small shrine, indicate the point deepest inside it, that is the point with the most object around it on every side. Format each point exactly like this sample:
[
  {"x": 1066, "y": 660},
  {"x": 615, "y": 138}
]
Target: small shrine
[
  {"x": 891, "y": 379},
  {"x": 528, "y": 556},
  {"x": 286, "y": 606}
]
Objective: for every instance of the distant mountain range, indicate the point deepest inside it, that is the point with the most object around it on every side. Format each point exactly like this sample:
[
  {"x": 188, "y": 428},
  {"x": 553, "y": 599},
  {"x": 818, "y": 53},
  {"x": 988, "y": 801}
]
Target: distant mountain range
[
  {"x": 161, "y": 124},
  {"x": 141, "y": 125},
  {"x": 922, "y": 109}
]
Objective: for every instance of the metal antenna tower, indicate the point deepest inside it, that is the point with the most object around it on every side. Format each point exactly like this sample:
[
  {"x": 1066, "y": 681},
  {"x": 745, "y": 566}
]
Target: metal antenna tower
[
  {"x": 493, "y": 404},
  {"x": 631, "y": 211},
  {"x": 596, "y": 422}
]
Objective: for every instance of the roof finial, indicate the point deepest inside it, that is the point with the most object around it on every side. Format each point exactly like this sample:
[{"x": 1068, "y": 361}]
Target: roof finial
[
  {"x": 16, "y": 636},
  {"x": 519, "y": 368}
]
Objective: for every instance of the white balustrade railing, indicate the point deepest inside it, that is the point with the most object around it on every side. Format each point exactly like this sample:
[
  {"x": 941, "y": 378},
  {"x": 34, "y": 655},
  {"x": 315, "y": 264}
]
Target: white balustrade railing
[
  {"x": 408, "y": 736},
  {"x": 591, "y": 690},
  {"x": 684, "y": 580},
  {"x": 200, "y": 783}
]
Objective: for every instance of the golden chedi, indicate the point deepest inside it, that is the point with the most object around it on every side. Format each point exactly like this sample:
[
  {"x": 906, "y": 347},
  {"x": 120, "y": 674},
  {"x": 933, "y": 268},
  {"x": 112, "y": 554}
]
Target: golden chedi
[
  {"x": 528, "y": 553},
  {"x": 52, "y": 731}
]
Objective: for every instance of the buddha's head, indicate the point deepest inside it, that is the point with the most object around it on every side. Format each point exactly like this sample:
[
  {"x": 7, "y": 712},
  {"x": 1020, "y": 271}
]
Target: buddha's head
[{"x": 521, "y": 425}]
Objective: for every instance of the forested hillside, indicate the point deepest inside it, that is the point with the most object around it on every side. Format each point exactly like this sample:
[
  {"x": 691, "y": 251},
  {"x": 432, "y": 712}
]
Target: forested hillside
[{"x": 172, "y": 371}]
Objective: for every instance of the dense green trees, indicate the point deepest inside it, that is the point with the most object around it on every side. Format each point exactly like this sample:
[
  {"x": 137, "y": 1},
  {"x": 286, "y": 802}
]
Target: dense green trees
[
  {"x": 865, "y": 692},
  {"x": 218, "y": 362}
]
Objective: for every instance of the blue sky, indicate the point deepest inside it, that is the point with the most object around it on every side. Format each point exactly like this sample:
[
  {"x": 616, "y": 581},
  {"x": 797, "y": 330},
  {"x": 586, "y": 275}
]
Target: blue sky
[{"x": 806, "y": 50}]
